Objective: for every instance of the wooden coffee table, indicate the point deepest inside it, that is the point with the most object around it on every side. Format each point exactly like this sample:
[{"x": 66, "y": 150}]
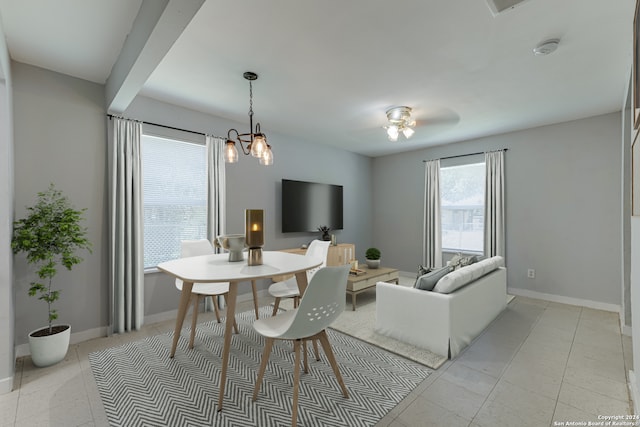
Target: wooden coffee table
[{"x": 368, "y": 280}]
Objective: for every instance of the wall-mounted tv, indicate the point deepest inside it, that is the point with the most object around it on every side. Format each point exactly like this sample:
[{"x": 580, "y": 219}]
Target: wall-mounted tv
[{"x": 309, "y": 205}]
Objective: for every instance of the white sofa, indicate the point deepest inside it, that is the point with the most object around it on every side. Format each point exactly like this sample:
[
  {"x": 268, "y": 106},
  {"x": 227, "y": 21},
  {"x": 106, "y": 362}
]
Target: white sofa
[{"x": 444, "y": 323}]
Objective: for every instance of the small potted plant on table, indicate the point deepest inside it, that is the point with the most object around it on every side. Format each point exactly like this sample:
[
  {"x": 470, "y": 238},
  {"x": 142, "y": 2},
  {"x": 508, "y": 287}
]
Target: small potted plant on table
[
  {"x": 325, "y": 233},
  {"x": 50, "y": 235},
  {"x": 372, "y": 257}
]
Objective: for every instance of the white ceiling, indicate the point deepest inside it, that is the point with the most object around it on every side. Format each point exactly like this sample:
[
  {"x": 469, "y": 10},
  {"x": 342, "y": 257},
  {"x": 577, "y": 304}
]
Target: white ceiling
[{"x": 330, "y": 69}]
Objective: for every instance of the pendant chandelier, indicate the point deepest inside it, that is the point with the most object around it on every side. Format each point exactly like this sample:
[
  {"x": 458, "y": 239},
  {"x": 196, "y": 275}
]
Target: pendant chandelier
[{"x": 256, "y": 141}]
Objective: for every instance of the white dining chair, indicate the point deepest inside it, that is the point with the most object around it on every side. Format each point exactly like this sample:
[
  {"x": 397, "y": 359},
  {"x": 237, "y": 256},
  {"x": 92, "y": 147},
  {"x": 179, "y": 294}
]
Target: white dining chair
[
  {"x": 189, "y": 248},
  {"x": 321, "y": 304},
  {"x": 289, "y": 288}
]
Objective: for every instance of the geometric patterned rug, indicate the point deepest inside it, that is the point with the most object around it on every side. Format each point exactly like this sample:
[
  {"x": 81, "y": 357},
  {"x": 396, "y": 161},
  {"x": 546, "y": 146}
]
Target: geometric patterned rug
[{"x": 141, "y": 386}]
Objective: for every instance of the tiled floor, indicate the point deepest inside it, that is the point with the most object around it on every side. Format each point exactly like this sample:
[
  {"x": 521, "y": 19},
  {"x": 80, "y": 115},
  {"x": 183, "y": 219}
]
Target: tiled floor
[{"x": 539, "y": 362}]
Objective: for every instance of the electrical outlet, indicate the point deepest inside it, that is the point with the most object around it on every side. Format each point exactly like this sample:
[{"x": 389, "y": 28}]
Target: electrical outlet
[{"x": 531, "y": 273}]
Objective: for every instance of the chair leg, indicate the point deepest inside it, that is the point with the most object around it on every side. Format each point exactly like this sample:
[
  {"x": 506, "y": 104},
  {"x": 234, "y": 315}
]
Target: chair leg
[
  {"x": 194, "y": 319},
  {"x": 305, "y": 357},
  {"x": 263, "y": 366},
  {"x": 255, "y": 298},
  {"x": 315, "y": 349},
  {"x": 235, "y": 324},
  {"x": 214, "y": 300},
  {"x": 296, "y": 383},
  {"x": 326, "y": 346},
  {"x": 276, "y": 304},
  {"x": 296, "y": 302}
]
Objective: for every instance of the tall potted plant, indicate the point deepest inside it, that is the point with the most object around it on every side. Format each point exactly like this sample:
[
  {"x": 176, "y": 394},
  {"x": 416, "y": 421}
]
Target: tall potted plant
[{"x": 51, "y": 235}]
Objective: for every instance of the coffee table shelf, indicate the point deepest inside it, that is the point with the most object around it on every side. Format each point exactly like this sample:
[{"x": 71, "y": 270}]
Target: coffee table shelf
[{"x": 363, "y": 282}]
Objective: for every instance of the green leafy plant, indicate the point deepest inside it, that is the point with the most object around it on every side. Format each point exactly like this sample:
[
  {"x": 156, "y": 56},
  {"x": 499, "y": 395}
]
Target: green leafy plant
[
  {"x": 325, "y": 232},
  {"x": 372, "y": 254},
  {"x": 50, "y": 235}
]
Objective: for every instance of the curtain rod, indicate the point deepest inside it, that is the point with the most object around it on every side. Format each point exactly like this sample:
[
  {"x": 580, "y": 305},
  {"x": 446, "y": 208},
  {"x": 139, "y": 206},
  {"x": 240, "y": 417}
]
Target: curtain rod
[
  {"x": 464, "y": 155},
  {"x": 168, "y": 127}
]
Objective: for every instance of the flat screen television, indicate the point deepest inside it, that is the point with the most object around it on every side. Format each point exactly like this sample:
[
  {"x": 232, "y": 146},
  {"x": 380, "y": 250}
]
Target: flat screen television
[{"x": 309, "y": 205}]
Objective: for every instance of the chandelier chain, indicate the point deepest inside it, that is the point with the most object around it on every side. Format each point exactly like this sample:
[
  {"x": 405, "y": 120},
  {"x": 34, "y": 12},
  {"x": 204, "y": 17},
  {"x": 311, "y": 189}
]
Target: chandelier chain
[{"x": 250, "y": 100}]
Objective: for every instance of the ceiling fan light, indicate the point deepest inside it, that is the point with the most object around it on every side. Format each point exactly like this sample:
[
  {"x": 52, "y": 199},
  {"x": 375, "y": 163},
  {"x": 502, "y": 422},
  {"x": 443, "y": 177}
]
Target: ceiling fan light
[
  {"x": 230, "y": 152},
  {"x": 392, "y": 133},
  {"x": 408, "y": 132},
  {"x": 400, "y": 121}
]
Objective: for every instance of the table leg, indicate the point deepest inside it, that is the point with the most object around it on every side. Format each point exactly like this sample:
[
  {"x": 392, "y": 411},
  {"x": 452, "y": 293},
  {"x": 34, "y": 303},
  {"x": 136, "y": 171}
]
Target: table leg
[
  {"x": 255, "y": 298},
  {"x": 185, "y": 297},
  {"x": 231, "y": 315},
  {"x": 301, "y": 278},
  {"x": 353, "y": 301}
]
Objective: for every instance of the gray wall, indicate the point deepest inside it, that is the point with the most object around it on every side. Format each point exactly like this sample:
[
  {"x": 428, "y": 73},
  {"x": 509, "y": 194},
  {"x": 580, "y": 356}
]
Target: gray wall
[
  {"x": 7, "y": 358},
  {"x": 250, "y": 185},
  {"x": 563, "y": 206},
  {"x": 60, "y": 137},
  {"x": 563, "y": 195},
  {"x": 625, "y": 176}
]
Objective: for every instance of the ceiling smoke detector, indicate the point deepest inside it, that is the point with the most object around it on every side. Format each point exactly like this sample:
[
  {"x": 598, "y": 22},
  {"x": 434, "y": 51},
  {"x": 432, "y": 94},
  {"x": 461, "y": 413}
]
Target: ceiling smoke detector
[{"x": 546, "y": 47}]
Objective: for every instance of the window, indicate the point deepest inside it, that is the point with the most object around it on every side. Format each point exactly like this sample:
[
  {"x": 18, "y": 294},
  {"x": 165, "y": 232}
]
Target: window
[
  {"x": 174, "y": 196},
  {"x": 462, "y": 207}
]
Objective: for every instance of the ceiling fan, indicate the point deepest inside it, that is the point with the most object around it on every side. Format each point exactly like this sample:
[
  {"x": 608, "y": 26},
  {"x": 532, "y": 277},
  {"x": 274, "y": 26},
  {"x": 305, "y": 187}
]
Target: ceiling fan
[{"x": 400, "y": 121}]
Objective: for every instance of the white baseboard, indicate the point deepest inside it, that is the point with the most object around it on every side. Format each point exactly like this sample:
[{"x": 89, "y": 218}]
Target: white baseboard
[
  {"x": 160, "y": 317},
  {"x": 6, "y": 385},
  {"x": 78, "y": 337},
  {"x": 635, "y": 393},
  {"x": 22, "y": 350},
  {"x": 565, "y": 300},
  {"x": 626, "y": 329},
  {"x": 87, "y": 335}
]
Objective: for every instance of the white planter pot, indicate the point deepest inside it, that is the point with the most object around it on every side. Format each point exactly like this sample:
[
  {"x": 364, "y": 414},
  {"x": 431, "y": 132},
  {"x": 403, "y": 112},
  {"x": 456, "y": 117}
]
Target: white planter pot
[
  {"x": 49, "y": 349},
  {"x": 373, "y": 263}
]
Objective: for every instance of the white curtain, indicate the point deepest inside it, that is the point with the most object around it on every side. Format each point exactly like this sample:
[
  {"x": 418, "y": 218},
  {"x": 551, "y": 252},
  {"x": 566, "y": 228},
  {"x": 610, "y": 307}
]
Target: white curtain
[
  {"x": 432, "y": 236},
  {"x": 126, "y": 256},
  {"x": 216, "y": 197},
  {"x": 216, "y": 193},
  {"x": 494, "y": 220}
]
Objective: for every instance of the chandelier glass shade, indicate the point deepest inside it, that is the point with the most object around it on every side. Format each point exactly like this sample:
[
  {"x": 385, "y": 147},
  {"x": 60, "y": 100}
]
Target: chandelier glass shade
[
  {"x": 400, "y": 121},
  {"x": 254, "y": 142}
]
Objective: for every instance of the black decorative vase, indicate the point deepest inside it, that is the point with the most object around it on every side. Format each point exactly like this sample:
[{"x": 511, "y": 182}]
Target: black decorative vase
[{"x": 326, "y": 236}]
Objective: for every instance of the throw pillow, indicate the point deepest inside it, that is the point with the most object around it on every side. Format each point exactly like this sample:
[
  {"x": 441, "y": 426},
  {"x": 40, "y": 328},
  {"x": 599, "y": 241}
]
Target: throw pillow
[
  {"x": 427, "y": 281},
  {"x": 455, "y": 260},
  {"x": 422, "y": 271},
  {"x": 472, "y": 259}
]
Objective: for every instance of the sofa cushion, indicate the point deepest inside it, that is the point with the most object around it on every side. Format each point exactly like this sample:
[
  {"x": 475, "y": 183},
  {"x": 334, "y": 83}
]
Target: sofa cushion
[
  {"x": 426, "y": 282},
  {"x": 463, "y": 276}
]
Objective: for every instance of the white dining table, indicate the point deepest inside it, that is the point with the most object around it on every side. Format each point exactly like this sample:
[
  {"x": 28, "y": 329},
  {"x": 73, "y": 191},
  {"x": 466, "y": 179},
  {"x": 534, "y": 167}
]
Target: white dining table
[{"x": 217, "y": 268}]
